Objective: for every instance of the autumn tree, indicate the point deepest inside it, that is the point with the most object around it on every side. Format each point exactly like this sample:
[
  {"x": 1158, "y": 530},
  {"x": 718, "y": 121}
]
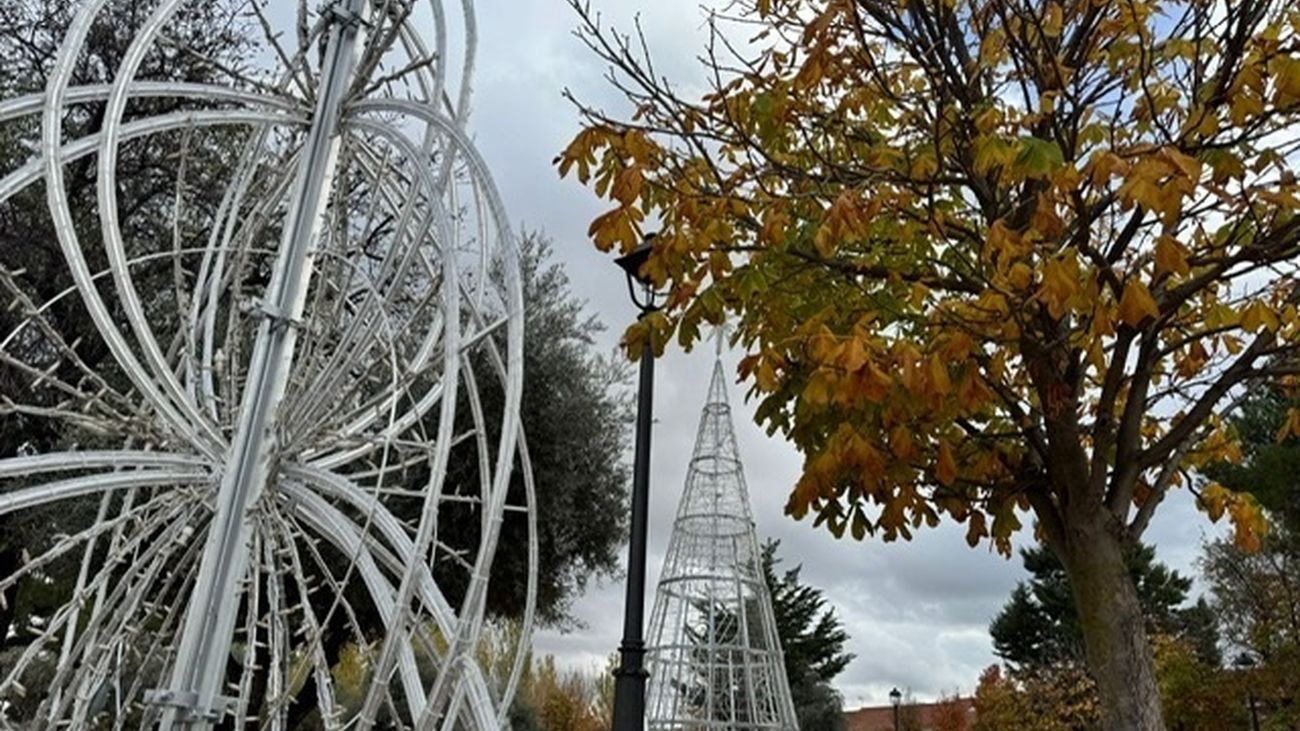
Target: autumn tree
[
  {"x": 986, "y": 256},
  {"x": 951, "y": 713},
  {"x": 1060, "y": 700},
  {"x": 1257, "y": 594},
  {"x": 553, "y": 699},
  {"x": 1198, "y": 696}
]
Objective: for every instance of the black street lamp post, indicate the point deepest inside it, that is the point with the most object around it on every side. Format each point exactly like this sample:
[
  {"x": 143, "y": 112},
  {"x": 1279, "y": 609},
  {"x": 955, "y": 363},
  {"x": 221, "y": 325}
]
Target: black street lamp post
[
  {"x": 1244, "y": 664},
  {"x": 630, "y": 682},
  {"x": 896, "y": 700}
]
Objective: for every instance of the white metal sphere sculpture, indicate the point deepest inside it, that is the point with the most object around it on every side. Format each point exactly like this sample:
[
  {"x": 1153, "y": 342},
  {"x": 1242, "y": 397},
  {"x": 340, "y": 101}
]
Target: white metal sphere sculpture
[{"x": 256, "y": 466}]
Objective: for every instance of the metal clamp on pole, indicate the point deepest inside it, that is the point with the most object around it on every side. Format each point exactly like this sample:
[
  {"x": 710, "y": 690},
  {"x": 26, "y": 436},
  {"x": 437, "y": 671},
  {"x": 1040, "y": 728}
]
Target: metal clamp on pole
[
  {"x": 341, "y": 12},
  {"x": 187, "y": 705},
  {"x": 278, "y": 317}
]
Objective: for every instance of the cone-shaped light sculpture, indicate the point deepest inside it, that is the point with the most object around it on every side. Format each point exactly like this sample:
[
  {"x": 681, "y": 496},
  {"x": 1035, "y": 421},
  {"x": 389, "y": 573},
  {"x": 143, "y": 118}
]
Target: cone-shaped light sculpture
[{"x": 714, "y": 657}]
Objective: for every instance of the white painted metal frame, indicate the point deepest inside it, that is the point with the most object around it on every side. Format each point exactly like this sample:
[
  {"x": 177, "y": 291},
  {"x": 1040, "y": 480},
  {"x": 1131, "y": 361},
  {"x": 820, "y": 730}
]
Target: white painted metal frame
[
  {"x": 261, "y": 495},
  {"x": 713, "y": 654}
]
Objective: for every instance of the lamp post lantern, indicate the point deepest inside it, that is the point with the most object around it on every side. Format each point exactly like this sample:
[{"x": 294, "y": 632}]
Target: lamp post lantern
[
  {"x": 1244, "y": 664},
  {"x": 896, "y": 700},
  {"x": 630, "y": 683}
]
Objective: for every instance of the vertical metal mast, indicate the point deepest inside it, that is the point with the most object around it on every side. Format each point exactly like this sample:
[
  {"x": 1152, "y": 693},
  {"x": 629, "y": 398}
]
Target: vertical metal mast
[{"x": 194, "y": 699}]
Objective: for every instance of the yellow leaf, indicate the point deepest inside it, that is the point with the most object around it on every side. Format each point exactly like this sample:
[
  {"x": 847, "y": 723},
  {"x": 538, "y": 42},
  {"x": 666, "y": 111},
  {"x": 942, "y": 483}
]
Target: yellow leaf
[
  {"x": 924, "y": 166},
  {"x": 1104, "y": 165},
  {"x": 627, "y": 187},
  {"x": 1054, "y": 21},
  {"x": 1137, "y": 304},
  {"x": 1001, "y": 240},
  {"x": 1290, "y": 427},
  {"x": 854, "y": 355},
  {"x": 900, "y": 443},
  {"x": 1170, "y": 256},
  {"x": 1021, "y": 276},
  {"x": 1245, "y": 105},
  {"x": 1060, "y": 283},
  {"x": 919, "y": 293},
  {"x": 1045, "y": 221},
  {"x": 945, "y": 468},
  {"x": 1286, "y": 70},
  {"x": 939, "y": 380},
  {"x": 1189, "y": 166},
  {"x": 1214, "y": 500},
  {"x": 765, "y": 376},
  {"x": 1257, "y": 316},
  {"x": 992, "y": 151},
  {"x": 1248, "y": 521}
]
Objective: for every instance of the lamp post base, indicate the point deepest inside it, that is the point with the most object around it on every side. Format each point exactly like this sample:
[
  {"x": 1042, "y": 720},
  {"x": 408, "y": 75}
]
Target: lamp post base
[{"x": 629, "y": 687}]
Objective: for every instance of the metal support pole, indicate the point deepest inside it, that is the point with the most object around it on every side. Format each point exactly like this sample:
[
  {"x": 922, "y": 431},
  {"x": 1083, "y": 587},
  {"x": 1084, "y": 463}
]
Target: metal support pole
[
  {"x": 629, "y": 686},
  {"x": 193, "y": 699}
]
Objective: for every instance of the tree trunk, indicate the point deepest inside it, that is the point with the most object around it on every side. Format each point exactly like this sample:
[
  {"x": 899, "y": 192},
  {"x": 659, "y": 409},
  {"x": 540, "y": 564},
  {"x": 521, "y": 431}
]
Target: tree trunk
[{"x": 1110, "y": 617}]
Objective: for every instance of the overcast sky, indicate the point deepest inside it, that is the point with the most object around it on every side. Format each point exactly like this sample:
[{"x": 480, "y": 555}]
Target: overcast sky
[{"x": 917, "y": 612}]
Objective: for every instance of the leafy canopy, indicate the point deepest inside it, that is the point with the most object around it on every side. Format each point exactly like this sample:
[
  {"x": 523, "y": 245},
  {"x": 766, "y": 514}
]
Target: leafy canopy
[{"x": 985, "y": 255}]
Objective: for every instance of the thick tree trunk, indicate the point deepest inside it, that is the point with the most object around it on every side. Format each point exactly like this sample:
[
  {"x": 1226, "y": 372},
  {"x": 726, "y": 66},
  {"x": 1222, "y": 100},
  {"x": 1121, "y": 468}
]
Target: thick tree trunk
[{"x": 1110, "y": 616}]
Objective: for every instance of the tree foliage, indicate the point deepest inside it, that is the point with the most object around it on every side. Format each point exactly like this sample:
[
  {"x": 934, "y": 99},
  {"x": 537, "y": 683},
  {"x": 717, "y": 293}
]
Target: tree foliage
[
  {"x": 553, "y": 699},
  {"x": 1057, "y": 699},
  {"x": 1270, "y": 454},
  {"x": 986, "y": 256},
  {"x": 1199, "y": 696},
  {"x": 951, "y": 713},
  {"x": 576, "y": 411},
  {"x": 1256, "y": 595},
  {"x": 211, "y": 44},
  {"x": 1039, "y": 626},
  {"x": 812, "y": 639}
]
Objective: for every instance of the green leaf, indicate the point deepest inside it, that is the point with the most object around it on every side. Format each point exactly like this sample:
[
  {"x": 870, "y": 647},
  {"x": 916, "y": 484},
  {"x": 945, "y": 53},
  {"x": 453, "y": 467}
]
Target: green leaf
[{"x": 1038, "y": 158}]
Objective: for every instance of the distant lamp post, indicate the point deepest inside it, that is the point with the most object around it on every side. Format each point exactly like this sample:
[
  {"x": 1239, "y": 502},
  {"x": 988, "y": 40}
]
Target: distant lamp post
[
  {"x": 896, "y": 700},
  {"x": 1244, "y": 663},
  {"x": 630, "y": 682}
]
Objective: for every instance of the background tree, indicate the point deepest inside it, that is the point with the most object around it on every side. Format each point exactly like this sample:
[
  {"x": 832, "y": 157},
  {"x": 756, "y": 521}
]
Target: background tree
[
  {"x": 576, "y": 412},
  {"x": 1270, "y": 455},
  {"x": 812, "y": 639},
  {"x": 1061, "y": 699},
  {"x": 210, "y": 46},
  {"x": 909, "y": 713},
  {"x": 986, "y": 256},
  {"x": 951, "y": 713},
  {"x": 1256, "y": 595},
  {"x": 1039, "y": 627},
  {"x": 1198, "y": 696},
  {"x": 553, "y": 699}
]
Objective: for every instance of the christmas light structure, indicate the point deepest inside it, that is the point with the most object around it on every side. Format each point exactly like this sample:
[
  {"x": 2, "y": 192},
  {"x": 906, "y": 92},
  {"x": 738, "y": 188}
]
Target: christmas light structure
[
  {"x": 714, "y": 656},
  {"x": 256, "y": 416}
]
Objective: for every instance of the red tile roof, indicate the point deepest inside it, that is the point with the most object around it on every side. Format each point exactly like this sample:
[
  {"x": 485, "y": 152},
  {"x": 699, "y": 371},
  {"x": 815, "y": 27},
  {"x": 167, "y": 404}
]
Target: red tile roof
[{"x": 881, "y": 718}]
